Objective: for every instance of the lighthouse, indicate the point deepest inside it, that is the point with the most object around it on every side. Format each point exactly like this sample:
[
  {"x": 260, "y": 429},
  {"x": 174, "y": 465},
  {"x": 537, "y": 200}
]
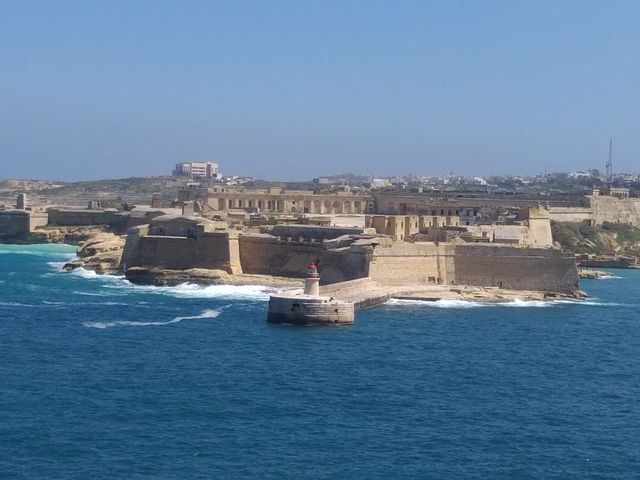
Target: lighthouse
[
  {"x": 312, "y": 281},
  {"x": 307, "y": 306}
]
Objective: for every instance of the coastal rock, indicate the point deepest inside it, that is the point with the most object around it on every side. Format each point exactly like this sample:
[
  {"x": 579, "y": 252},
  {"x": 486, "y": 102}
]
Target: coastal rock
[
  {"x": 101, "y": 252},
  {"x": 203, "y": 276},
  {"x": 593, "y": 274}
]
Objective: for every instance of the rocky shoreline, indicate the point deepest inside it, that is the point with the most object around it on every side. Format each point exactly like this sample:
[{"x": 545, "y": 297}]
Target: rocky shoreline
[{"x": 593, "y": 274}]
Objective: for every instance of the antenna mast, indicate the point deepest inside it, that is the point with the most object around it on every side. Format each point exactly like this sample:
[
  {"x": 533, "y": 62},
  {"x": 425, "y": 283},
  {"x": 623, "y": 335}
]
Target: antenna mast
[{"x": 609, "y": 165}]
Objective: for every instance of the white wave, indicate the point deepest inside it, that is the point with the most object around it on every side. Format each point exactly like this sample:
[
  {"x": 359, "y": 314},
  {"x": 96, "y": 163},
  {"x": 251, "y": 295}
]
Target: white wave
[
  {"x": 438, "y": 303},
  {"x": 516, "y": 303},
  {"x": 129, "y": 323},
  {"x": 37, "y": 253},
  {"x": 592, "y": 302},
  {"x": 610, "y": 277},
  {"x": 190, "y": 290},
  {"x": 91, "y": 275},
  {"x": 90, "y": 294},
  {"x": 58, "y": 265},
  {"x": 16, "y": 304}
]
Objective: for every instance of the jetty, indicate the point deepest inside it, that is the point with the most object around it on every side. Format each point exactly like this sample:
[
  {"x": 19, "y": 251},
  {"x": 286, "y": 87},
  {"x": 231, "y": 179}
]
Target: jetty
[{"x": 309, "y": 306}]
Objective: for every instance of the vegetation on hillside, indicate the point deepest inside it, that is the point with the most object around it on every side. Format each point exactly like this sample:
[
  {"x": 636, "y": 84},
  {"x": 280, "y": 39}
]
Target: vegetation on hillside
[{"x": 606, "y": 239}]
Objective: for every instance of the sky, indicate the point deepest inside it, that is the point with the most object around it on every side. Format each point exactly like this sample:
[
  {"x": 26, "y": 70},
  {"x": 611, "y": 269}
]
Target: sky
[{"x": 290, "y": 90}]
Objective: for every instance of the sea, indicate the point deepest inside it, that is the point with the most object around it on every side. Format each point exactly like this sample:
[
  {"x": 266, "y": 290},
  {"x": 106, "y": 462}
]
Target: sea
[{"x": 102, "y": 379}]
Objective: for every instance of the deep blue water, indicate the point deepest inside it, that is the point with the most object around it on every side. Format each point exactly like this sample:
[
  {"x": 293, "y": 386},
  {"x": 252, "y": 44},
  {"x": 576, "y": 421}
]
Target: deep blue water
[{"x": 102, "y": 379}]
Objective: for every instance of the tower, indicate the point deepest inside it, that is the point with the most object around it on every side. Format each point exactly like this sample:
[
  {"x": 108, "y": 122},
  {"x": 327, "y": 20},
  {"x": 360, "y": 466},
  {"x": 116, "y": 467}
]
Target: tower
[
  {"x": 312, "y": 282},
  {"x": 609, "y": 166}
]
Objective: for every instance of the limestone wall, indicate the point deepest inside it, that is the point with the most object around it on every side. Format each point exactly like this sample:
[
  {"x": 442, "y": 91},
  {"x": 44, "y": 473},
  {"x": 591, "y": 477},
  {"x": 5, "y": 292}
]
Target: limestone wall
[
  {"x": 215, "y": 250},
  {"x": 314, "y": 232},
  {"x": 515, "y": 268},
  {"x": 615, "y": 210},
  {"x": 68, "y": 218},
  {"x": 409, "y": 264},
  {"x": 19, "y": 223},
  {"x": 38, "y": 219},
  {"x": 570, "y": 214},
  {"x": 14, "y": 224},
  {"x": 269, "y": 256}
]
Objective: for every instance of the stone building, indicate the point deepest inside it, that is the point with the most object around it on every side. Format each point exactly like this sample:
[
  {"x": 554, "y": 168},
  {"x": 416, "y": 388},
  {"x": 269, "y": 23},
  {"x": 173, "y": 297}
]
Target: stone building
[
  {"x": 282, "y": 201},
  {"x": 197, "y": 169},
  {"x": 177, "y": 243},
  {"x": 402, "y": 227}
]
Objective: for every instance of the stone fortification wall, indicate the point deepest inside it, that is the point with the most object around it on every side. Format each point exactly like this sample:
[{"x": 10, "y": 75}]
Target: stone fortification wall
[
  {"x": 215, "y": 250},
  {"x": 19, "y": 223},
  {"x": 38, "y": 219},
  {"x": 410, "y": 264},
  {"x": 313, "y": 232},
  {"x": 516, "y": 268},
  {"x": 615, "y": 210},
  {"x": 268, "y": 256},
  {"x": 570, "y": 214},
  {"x": 71, "y": 218},
  {"x": 14, "y": 224}
]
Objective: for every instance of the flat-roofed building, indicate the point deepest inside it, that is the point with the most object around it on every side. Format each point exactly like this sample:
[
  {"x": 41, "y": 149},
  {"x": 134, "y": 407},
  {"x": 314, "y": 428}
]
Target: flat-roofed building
[{"x": 197, "y": 169}]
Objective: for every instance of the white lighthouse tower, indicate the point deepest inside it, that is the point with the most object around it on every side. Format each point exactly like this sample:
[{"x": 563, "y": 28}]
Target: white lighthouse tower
[
  {"x": 308, "y": 306},
  {"x": 312, "y": 282}
]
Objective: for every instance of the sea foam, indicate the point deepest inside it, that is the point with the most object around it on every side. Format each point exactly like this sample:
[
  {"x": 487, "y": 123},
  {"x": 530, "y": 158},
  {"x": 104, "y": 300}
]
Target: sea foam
[
  {"x": 130, "y": 323},
  {"x": 516, "y": 303}
]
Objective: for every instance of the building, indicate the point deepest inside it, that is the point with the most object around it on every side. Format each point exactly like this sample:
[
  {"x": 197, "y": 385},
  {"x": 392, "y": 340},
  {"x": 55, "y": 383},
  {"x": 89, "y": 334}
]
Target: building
[
  {"x": 279, "y": 200},
  {"x": 401, "y": 227},
  {"x": 197, "y": 169}
]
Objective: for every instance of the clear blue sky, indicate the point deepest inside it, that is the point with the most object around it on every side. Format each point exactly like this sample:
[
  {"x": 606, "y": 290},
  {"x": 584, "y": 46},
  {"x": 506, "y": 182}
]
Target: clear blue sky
[{"x": 292, "y": 90}]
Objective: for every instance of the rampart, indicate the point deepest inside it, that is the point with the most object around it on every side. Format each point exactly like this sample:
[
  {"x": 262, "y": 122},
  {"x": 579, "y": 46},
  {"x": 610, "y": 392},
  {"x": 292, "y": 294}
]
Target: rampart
[
  {"x": 615, "y": 210},
  {"x": 509, "y": 267},
  {"x": 213, "y": 250},
  {"x": 79, "y": 217},
  {"x": 313, "y": 232},
  {"x": 267, "y": 255},
  {"x": 515, "y": 268},
  {"x": 17, "y": 224},
  {"x": 571, "y": 214}
]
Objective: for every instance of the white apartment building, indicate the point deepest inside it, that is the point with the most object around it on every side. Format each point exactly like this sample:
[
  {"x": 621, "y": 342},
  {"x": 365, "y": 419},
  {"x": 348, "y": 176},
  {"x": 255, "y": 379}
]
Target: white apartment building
[{"x": 197, "y": 169}]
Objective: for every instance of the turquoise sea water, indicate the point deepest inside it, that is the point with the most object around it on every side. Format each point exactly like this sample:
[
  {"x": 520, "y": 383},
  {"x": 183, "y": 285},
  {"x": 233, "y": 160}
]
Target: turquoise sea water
[{"x": 103, "y": 379}]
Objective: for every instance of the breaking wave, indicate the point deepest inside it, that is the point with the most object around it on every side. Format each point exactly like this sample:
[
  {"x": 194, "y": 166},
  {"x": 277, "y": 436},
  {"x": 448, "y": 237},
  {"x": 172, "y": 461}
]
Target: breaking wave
[
  {"x": 189, "y": 290},
  {"x": 118, "y": 285},
  {"x": 516, "y": 303},
  {"x": 131, "y": 323}
]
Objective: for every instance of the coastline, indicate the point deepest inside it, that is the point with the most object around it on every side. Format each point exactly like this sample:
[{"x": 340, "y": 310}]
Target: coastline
[{"x": 100, "y": 251}]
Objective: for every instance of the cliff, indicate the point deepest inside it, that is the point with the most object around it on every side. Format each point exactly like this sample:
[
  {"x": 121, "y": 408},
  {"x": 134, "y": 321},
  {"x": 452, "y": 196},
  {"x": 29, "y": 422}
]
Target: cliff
[{"x": 605, "y": 239}]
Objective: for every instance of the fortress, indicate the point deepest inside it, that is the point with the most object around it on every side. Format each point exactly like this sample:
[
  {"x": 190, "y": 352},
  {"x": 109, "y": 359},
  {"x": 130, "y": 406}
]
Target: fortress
[
  {"x": 395, "y": 241},
  {"x": 351, "y": 254}
]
